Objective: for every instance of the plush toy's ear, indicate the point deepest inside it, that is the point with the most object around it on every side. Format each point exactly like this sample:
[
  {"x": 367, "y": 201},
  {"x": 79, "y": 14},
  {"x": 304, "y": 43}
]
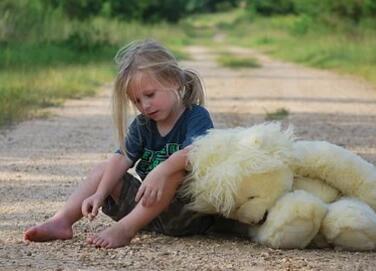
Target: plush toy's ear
[
  {"x": 350, "y": 224},
  {"x": 340, "y": 168},
  {"x": 222, "y": 159}
]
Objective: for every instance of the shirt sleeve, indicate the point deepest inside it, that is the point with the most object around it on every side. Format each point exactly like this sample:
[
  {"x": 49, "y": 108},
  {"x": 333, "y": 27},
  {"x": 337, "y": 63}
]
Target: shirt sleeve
[
  {"x": 197, "y": 124},
  {"x": 133, "y": 141}
]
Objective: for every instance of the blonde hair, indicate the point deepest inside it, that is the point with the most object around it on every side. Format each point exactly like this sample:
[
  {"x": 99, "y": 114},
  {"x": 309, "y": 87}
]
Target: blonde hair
[{"x": 151, "y": 57}]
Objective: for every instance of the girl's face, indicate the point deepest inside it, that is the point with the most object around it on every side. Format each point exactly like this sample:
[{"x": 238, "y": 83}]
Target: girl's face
[{"x": 154, "y": 100}]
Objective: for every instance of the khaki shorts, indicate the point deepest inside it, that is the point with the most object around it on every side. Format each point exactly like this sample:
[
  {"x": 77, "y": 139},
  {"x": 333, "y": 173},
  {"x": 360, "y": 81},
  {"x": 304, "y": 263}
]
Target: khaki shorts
[{"x": 174, "y": 221}]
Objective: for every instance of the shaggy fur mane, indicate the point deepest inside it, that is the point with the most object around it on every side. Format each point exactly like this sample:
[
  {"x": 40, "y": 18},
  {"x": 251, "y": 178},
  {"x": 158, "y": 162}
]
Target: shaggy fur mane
[{"x": 223, "y": 158}]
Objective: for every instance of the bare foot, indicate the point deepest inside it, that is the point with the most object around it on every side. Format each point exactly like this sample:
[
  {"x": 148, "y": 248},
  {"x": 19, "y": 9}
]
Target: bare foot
[
  {"x": 115, "y": 236},
  {"x": 52, "y": 229}
]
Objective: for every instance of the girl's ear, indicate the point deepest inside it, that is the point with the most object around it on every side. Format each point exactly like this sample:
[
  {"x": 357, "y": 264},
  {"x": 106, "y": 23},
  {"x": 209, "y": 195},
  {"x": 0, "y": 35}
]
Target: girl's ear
[{"x": 182, "y": 91}]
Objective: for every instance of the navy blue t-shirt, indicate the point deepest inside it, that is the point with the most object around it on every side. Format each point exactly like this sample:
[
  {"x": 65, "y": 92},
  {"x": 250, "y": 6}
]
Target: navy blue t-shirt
[{"x": 144, "y": 143}]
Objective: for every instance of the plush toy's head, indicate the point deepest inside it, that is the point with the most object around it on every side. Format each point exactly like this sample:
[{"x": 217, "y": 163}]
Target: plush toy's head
[{"x": 233, "y": 166}]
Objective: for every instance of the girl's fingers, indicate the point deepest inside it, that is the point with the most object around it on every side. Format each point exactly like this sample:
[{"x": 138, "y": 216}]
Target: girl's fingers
[
  {"x": 84, "y": 209},
  {"x": 140, "y": 192},
  {"x": 145, "y": 197},
  {"x": 94, "y": 212},
  {"x": 159, "y": 195},
  {"x": 150, "y": 199}
]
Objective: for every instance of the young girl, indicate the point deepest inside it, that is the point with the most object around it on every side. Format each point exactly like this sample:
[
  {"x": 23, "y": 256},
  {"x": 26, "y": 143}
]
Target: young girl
[{"x": 169, "y": 100}]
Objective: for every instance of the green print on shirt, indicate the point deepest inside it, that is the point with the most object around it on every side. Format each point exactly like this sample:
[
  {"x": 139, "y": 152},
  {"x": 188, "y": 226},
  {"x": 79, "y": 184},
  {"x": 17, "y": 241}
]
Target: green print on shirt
[{"x": 150, "y": 159}]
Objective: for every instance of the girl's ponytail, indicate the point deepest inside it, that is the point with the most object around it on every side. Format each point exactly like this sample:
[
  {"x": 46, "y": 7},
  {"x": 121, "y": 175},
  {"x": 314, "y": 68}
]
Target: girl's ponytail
[{"x": 194, "y": 92}]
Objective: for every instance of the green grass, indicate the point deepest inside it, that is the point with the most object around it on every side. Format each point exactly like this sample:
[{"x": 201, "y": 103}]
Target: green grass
[
  {"x": 336, "y": 45},
  {"x": 44, "y": 70},
  {"x": 236, "y": 62},
  {"x": 23, "y": 93},
  {"x": 346, "y": 48},
  {"x": 278, "y": 114}
]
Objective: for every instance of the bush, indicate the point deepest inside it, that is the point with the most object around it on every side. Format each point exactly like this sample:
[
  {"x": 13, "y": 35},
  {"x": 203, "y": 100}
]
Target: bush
[
  {"x": 370, "y": 8},
  {"x": 353, "y": 10},
  {"x": 88, "y": 37},
  {"x": 270, "y": 7},
  {"x": 81, "y": 9},
  {"x": 300, "y": 25},
  {"x": 16, "y": 18}
]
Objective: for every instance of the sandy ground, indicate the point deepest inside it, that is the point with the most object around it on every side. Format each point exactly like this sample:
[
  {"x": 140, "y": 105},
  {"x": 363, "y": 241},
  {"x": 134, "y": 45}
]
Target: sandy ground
[{"x": 42, "y": 161}]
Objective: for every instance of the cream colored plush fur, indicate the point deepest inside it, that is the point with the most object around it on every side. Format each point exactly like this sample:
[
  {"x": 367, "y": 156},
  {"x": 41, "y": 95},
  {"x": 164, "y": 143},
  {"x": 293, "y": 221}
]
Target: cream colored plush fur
[
  {"x": 292, "y": 222},
  {"x": 245, "y": 173},
  {"x": 259, "y": 193},
  {"x": 226, "y": 160},
  {"x": 316, "y": 187},
  {"x": 340, "y": 168},
  {"x": 350, "y": 224}
]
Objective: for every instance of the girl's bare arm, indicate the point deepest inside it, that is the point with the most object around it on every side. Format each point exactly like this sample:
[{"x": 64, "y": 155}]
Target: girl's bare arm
[
  {"x": 116, "y": 167},
  {"x": 152, "y": 188}
]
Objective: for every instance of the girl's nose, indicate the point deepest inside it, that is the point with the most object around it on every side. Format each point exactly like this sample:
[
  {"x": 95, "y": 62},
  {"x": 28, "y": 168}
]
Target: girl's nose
[{"x": 145, "y": 104}]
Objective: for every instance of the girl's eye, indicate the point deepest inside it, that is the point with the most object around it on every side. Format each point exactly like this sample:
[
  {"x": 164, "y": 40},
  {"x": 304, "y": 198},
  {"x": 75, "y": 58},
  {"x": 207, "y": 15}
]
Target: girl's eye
[{"x": 150, "y": 95}]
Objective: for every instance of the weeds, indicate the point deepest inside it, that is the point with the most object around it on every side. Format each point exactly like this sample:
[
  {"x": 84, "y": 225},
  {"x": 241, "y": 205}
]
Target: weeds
[
  {"x": 279, "y": 114},
  {"x": 238, "y": 62}
]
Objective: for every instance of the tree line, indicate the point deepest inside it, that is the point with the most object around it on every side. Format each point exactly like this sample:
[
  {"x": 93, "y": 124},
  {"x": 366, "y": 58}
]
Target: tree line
[
  {"x": 353, "y": 10},
  {"x": 140, "y": 10}
]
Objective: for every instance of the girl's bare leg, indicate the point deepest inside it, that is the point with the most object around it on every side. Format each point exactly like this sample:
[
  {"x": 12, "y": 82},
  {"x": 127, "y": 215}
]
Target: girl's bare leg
[
  {"x": 122, "y": 232},
  {"x": 60, "y": 225}
]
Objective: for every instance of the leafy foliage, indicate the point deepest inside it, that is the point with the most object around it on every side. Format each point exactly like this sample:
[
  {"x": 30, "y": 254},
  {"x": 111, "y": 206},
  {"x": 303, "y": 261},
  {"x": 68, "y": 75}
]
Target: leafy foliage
[
  {"x": 145, "y": 10},
  {"x": 270, "y": 7},
  {"x": 349, "y": 9}
]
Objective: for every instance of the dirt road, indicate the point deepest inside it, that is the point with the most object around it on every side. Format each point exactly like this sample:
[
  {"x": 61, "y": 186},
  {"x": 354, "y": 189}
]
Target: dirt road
[{"x": 41, "y": 161}]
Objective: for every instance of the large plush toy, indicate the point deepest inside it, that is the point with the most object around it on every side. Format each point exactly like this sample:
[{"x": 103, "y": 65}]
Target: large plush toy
[{"x": 291, "y": 193}]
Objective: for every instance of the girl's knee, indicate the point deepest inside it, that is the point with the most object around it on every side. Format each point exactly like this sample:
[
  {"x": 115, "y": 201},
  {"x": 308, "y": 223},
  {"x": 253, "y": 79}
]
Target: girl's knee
[{"x": 98, "y": 170}]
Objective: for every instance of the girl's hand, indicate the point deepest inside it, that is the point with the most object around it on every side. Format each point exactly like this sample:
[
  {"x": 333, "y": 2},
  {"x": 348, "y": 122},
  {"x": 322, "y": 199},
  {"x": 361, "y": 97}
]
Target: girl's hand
[
  {"x": 169, "y": 172},
  {"x": 91, "y": 205},
  {"x": 151, "y": 189}
]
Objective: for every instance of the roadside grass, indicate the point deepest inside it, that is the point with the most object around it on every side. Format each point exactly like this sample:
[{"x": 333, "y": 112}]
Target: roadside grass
[
  {"x": 278, "y": 114},
  {"x": 202, "y": 28},
  {"x": 45, "y": 70},
  {"x": 24, "y": 92},
  {"x": 237, "y": 62},
  {"x": 344, "y": 48},
  {"x": 337, "y": 45}
]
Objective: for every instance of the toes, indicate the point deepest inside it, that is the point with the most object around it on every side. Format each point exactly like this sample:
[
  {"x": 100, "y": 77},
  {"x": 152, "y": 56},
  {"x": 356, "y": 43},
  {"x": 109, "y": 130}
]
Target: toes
[
  {"x": 98, "y": 241},
  {"x": 90, "y": 238},
  {"x": 29, "y": 232},
  {"x": 106, "y": 244},
  {"x": 101, "y": 242}
]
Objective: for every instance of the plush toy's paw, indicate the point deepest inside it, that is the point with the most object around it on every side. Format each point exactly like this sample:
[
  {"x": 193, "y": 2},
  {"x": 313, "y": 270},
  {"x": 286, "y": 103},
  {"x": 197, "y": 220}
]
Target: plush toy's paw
[
  {"x": 316, "y": 187},
  {"x": 258, "y": 193},
  {"x": 251, "y": 212},
  {"x": 350, "y": 224},
  {"x": 292, "y": 222}
]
